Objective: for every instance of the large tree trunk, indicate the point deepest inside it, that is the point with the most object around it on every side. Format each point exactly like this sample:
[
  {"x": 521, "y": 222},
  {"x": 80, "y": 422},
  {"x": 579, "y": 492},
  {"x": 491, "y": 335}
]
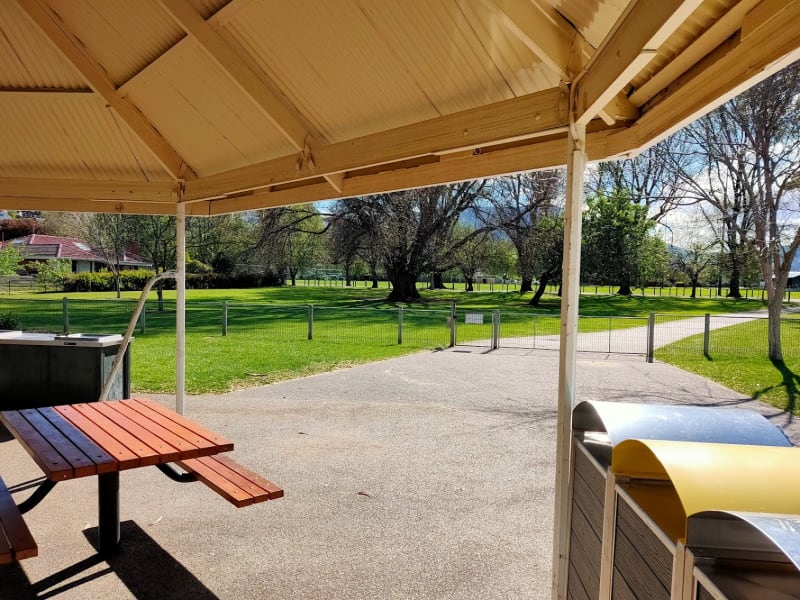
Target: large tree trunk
[
  {"x": 526, "y": 285},
  {"x": 404, "y": 287},
  {"x": 437, "y": 282},
  {"x": 160, "y": 295},
  {"x": 539, "y": 291},
  {"x": 468, "y": 284},
  {"x": 694, "y": 281},
  {"x": 625, "y": 290},
  {"x": 736, "y": 278},
  {"x": 774, "y": 306}
]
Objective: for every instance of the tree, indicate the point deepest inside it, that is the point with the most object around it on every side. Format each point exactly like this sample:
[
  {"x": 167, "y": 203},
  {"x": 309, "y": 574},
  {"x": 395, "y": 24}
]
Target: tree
[
  {"x": 516, "y": 205},
  {"x": 616, "y": 232},
  {"x": 355, "y": 231},
  {"x": 279, "y": 238},
  {"x": 10, "y": 259},
  {"x": 746, "y": 166},
  {"x": 414, "y": 230},
  {"x": 417, "y": 235},
  {"x": 54, "y": 271},
  {"x": 651, "y": 178},
  {"x": 304, "y": 244},
  {"x": 224, "y": 240},
  {"x": 693, "y": 261},
  {"x": 479, "y": 252},
  {"x": 548, "y": 239},
  {"x": 15, "y": 228},
  {"x": 107, "y": 234}
]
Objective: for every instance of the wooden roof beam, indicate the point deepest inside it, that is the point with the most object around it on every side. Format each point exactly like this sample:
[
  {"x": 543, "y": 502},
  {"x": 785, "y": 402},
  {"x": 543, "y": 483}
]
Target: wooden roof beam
[
  {"x": 553, "y": 39},
  {"x": 633, "y": 43},
  {"x": 540, "y": 153},
  {"x": 771, "y": 45},
  {"x": 283, "y": 117},
  {"x": 71, "y": 48},
  {"x": 518, "y": 118},
  {"x": 21, "y": 187}
]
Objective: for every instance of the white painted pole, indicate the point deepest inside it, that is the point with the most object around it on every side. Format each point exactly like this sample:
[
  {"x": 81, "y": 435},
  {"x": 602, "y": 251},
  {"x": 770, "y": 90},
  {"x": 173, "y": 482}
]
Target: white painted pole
[
  {"x": 180, "y": 307},
  {"x": 570, "y": 286}
]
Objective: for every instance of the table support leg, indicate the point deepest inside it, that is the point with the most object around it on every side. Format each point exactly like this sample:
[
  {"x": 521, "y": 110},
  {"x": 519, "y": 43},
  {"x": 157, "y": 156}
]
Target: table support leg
[{"x": 108, "y": 504}]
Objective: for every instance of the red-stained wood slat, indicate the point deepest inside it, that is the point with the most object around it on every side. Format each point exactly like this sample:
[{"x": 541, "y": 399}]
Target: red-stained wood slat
[
  {"x": 125, "y": 457},
  {"x": 232, "y": 481},
  {"x": 53, "y": 465},
  {"x": 81, "y": 464},
  {"x": 245, "y": 477},
  {"x": 16, "y": 541},
  {"x": 177, "y": 436},
  {"x": 219, "y": 483},
  {"x": 166, "y": 452},
  {"x": 218, "y": 443},
  {"x": 104, "y": 462},
  {"x": 97, "y": 414}
]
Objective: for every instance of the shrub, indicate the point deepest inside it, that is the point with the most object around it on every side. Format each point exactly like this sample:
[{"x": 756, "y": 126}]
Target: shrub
[{"x": 9, "y": 321}]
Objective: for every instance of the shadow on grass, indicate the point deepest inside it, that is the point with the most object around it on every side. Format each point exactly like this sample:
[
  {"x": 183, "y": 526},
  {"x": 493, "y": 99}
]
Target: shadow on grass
[{"x": 790, "y": 382}]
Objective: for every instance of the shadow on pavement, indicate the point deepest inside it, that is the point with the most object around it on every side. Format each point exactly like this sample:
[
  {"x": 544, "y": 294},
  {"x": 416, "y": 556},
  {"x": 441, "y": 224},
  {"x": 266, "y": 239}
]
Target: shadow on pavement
[{"x": 144, "y": 567}]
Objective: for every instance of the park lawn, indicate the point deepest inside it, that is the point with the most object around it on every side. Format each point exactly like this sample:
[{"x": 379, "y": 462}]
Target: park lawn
[
  {"x": 355, "y": 297},
  {"x": 217, "y": 364},
  {"x": 249, "y": 357},
  {"x": 756, "y": 377},
  {"x": 738, "y": 363}
]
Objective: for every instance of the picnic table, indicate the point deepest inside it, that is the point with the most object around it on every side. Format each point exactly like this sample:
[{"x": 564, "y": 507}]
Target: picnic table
[{"x": 103, "y": 438}]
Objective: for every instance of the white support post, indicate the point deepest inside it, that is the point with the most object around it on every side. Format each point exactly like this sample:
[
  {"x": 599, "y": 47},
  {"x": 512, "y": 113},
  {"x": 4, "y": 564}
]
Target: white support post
[
  {"x": 180, "y": 307},
  {"x": 570, "y": 282}
]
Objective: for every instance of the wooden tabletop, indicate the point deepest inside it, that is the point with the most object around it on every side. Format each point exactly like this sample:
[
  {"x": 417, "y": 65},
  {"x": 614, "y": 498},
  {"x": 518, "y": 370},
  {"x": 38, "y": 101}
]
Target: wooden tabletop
[{"x": 77, "y": 440}]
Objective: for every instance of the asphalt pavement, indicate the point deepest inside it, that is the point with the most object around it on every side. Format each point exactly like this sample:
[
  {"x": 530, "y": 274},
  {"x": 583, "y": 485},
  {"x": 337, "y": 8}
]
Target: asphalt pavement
[{"x": 425, "y": 476}]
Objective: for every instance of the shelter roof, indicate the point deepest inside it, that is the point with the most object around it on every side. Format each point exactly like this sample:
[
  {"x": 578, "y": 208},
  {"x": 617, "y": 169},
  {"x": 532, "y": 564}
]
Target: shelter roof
[{"x": 114, "y": 106}]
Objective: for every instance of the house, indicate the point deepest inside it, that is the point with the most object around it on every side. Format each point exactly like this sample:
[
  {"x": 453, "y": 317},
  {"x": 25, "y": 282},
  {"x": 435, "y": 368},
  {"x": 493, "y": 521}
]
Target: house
[{"x": 83, "y": 258}]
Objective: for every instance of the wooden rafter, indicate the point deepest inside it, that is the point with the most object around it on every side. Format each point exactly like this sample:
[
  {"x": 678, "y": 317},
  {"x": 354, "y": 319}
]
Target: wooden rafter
[
  {"x": 283, "y": 117},
  {"x": 539, "y": 153},
  {"x": 719, "y": 76},
  {"x": 21, "y": 187},
  {"x": 70, "y": 47},
  {"x": 636, "y": 38},
  {"x": 553, "y": 40},
  {"x": 717, "y": 33},
  {"x": 519, "y": 118}
]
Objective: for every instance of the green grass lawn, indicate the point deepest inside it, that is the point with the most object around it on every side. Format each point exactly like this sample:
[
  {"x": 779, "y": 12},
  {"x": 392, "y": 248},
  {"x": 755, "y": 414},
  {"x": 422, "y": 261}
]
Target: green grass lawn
[
  {"x": 268, "y": 328},
  {"x": 737, "y": 359}
]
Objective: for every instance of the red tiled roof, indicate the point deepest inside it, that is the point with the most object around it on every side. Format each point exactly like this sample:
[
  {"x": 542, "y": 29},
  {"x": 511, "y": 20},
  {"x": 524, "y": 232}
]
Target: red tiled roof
[{"x": 38, "y": 246}]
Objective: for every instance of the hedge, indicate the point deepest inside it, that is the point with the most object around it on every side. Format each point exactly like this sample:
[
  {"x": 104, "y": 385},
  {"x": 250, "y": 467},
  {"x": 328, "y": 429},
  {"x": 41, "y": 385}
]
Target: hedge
[{"x": 103, "y": 281}]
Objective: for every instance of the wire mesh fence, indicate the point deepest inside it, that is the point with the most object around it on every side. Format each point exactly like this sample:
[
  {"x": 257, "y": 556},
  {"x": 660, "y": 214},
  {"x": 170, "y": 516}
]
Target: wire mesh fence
[{"x": 659, "y": 335}]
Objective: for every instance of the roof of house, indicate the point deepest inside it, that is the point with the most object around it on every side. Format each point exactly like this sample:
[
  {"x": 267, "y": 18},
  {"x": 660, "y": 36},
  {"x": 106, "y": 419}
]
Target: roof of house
[
  {"x": 224, "y": 106},
  {"x": 43, "y": 247}
]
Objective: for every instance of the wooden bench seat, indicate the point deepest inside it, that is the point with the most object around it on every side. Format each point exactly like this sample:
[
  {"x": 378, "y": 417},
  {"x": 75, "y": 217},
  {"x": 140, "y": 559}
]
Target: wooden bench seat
[
  {"x": 16, "y": 541},
  {"x": 232, "y": 481}
]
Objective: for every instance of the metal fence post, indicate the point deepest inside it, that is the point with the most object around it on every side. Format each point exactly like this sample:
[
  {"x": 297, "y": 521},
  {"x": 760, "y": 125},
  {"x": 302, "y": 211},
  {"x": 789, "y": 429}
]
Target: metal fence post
[
  {"x": 399, "y": 325},
  {"x": 143, "y": 321},
  {"x": 453, "y": 324},
  {"x": 706, "y": 335},
  {"x": 534, "y": 330},
  {"x": 651, "y": 333},
  {"x": 495, "y": 329},
  {"x": 311, "y": 321},
  {"x": 224, "y": 318},
  {"x": 65, "y": 314}
]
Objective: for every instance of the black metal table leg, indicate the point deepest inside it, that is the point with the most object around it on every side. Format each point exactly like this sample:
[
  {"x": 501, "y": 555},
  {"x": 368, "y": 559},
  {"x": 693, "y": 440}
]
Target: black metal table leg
[{"x": 108, "y": 504}]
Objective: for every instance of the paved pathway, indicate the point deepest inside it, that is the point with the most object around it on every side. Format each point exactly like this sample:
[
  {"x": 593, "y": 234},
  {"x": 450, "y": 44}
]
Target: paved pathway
[{"x": 428, "y": 476}]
